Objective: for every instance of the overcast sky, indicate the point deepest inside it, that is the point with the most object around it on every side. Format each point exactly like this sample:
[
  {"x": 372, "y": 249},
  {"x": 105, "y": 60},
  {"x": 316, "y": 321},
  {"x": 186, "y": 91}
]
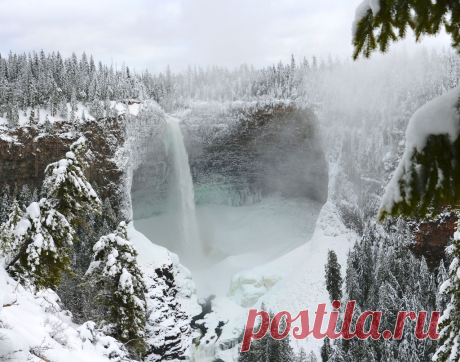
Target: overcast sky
[{"x": 154, "y": 33}]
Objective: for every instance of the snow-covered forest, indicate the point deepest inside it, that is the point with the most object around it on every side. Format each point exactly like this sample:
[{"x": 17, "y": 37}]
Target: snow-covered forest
[{"x": 202, "y": 224}]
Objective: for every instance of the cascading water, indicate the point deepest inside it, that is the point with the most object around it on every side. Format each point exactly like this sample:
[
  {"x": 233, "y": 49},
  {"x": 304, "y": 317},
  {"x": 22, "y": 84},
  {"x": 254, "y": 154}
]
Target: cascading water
[{"x": 181, "y": 198}]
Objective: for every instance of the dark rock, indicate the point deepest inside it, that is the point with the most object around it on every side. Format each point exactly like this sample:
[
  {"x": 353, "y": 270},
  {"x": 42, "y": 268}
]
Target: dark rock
[
  {"x": 23, "y": 161},
  {"x": 431, "y": 238}
]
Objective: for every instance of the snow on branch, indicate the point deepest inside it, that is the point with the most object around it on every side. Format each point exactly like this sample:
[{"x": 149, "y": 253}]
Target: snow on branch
[{"x": 429, "y": 172}]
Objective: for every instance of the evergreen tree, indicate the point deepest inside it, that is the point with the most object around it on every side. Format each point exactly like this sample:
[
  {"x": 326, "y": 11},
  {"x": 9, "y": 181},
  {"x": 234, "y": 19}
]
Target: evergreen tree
[
  {"x": 269, "y": 349},
  {"x": 8, "y": 242},
  {"x": 48, "y": 126},
  {"x": 73, "y": 108},
  {"x": 66, "y": 185},
  {"x": 392, "y": 18},
  {"x": 37, "y": 246},
  {"x": 441, "y": 299},
  {"x": 337, "y": 352},
  {"x": 392, "y": 279},
  {"x": 5, "y": 205},
  {"x": 333, "y": 277},
  {"x": 25, "y": 197},
  {"x": 12, "y": 116},
  {"x": 32, "y": 116},
  {"x": 449, "y": 324},
  {"x": 114, "y": 271},
  {"x": 326, "y": 349},
  {"x": 64, "y": 111},
  {"x": 311, "y": 357},
  {"x": 302, "y": 356}
]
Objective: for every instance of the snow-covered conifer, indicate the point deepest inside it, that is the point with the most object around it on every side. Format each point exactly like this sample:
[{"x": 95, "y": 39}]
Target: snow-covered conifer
[
  {"x": 63, "y": 110},
  {"x": 67, "y": 187},
  {"x": 269, "y": 349},
  {"x": 449, "y": 323},
  {"x": 8, "y": 242},
  {"x": 48, "y": 126},
  {"x": 337, "y": 352},
  {"x": 5, "y": 205},
  {"x": 326, "y": 349},
  {"x": 12, "y": 115},
  {"x": 32, "y": 116},
  {"x": 115, "y": 271},
  {"x": 73, "y": 107},
  {"x": 441, "y": 299},
  {"x": 113, "y": 349},
  {"x": 25, "y": 197},
  {"x": 302, "y": 355},
  {"x": 311, "y": 357},
  {"x": 96, "y": 109},
  {"x": 38, "y": 245},
  {"x": 333, "y": 277}
]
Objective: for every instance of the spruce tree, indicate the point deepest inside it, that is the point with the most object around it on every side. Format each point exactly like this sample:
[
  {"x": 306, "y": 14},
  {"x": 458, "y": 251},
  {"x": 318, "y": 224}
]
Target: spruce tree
[
  {"x": 449, "y": 323},
  {"x": 378, "y": 23},
  {"x": 64, "y": 111},
  {"x": 25, "y": 197},
  {"x": 311, "y": 357},
  {"x": 8, "y": 241},
  {"x": 269, "y": 349},
  {"x": 73, "y": 107},
  {"x": 12, "y": 116},
  {"x": 280, "y": 350},
  {"x": 441, "y": 299},
  {"x": 302, "y": 356},
  {"x": 326, "y": 349},
  {"x": 32, "y": 116},
  {"x": 114, "y": 271},
  {"x": 337, "y": 352},
  {"x": 5, "y": 205},
  {"x": 333, "y": 277},
  {"x": 37, "y": 246},
  {"x": 66, "y": 185},
  {"x": 48, "y": 126}
]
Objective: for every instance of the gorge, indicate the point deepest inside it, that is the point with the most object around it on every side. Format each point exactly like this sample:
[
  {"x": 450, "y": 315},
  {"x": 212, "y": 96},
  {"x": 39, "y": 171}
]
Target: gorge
[{"x": 241, "y": 197}]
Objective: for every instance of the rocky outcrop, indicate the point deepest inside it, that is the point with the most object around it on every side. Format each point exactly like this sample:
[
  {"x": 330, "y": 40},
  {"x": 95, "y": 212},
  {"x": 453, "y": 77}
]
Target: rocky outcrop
[
  {"x": 26, "y": 151},
  {"x": 168, "y": 324},
  {"x": 431, "y": 238}
]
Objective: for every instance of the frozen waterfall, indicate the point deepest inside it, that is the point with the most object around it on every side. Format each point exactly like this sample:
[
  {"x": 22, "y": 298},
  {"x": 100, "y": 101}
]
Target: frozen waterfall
[{"x": 181, "y": 197}]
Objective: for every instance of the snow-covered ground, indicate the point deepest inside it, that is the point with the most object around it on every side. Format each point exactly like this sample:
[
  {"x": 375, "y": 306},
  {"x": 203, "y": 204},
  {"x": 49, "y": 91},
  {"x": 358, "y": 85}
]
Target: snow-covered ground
[{"x": 34, "y": 325}]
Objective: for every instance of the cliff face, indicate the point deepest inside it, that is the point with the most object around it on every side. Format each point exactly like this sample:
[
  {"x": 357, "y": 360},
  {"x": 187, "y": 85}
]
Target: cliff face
[
  {"x": 431, "y": 238},
  {"x": 26, "y": 151},
  {"x": 255, "y": 152},
  {"x": 237, "y": 155}
]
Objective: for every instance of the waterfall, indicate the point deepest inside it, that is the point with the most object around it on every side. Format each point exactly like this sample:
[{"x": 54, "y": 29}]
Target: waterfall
[{"x": 181, "y": 197}]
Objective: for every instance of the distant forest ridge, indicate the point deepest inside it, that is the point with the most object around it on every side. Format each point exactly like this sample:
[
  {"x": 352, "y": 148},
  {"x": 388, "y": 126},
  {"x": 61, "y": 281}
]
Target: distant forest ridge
[{"x": 40, "y": 80}]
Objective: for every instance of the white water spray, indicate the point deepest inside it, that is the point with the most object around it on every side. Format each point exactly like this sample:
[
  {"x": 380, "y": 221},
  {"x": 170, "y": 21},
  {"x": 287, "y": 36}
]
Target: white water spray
[{"x": 182, "y": 201}]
